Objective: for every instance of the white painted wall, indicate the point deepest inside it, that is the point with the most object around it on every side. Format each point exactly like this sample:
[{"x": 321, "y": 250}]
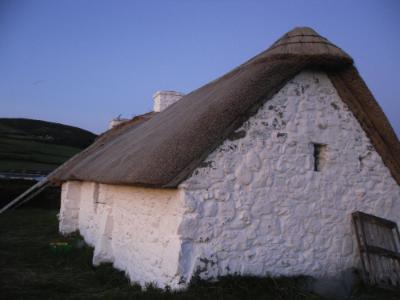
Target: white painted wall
[
  {"x": 136, "y": 229},
  {"x": 260, "y": 208},
  {"x": 256, "y": 207},
  {"x": 70, "y": 206},
  {"x": 88, "y": 221},
  {"x": 145, "y": 234}
]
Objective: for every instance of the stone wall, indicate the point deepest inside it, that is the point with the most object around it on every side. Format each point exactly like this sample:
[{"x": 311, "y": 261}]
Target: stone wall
[
  {"x": 145, "y": 234},
  {"x": 69, "y": 207},
  {"x": 88, "y": 218},
  {"x": 136, "y": 229},
  {"x": 260, "y": 204}
]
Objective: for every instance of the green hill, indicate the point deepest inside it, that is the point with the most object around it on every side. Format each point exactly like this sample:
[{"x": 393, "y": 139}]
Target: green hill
[{"x": 38, "y": 146}]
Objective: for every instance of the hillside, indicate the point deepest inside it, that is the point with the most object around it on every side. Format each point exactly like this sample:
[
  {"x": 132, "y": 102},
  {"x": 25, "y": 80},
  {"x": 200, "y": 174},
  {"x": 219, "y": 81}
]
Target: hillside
[{"x": 38, "y": 146}]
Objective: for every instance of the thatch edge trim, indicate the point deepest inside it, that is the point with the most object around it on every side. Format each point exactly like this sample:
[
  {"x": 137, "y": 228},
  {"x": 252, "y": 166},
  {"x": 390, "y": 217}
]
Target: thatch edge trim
[
  {"x": 99, "y": 142},
  {"x": 265, "y": 69},
  {"x": 354, "y": 92}
]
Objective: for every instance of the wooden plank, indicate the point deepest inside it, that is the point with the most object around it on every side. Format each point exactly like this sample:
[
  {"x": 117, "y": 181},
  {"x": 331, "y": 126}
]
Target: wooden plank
[
  {"x": 357, "y": 231},
  {"x": 381, "y": 251},
  {"x": 382, "y": 266},
  {"x": 396, "y": 265},
  {"x": 378, "y": 220},
  {"x": 25, "y": 194},
  {"x": 31, "y": 195},
  {"x": 368, "y": 256},
  {"x": 378, "y": 242}
]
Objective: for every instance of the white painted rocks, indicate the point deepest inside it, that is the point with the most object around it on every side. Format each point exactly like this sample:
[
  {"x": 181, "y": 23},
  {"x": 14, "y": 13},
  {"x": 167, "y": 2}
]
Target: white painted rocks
[
  {"x": 295, "y": 220},
  {"x": 257, "y": 206}
]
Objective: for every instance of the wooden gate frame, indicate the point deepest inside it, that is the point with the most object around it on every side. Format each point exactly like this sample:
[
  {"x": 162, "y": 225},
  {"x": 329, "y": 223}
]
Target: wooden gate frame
[{"x": 376, "y": 261}]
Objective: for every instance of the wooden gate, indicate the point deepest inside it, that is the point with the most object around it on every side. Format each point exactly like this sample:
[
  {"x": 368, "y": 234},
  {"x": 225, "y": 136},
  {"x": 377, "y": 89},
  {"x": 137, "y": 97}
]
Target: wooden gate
[{"x": 379, "y": 243}]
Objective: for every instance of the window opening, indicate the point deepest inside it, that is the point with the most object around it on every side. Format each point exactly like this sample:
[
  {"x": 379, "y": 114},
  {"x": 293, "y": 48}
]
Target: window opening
[{"x": 319, "y": 157}]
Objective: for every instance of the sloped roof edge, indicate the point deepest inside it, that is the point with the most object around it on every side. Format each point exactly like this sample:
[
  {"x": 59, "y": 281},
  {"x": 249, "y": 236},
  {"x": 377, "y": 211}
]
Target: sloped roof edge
[{"x": 164, "y": 150}]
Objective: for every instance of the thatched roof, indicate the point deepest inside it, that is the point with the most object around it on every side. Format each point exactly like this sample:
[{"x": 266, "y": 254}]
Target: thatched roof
[{"x": 165, "y": 149}]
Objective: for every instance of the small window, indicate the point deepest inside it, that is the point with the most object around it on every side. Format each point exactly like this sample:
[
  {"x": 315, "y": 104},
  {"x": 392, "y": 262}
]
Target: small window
[{"x": 319, "y": 157}]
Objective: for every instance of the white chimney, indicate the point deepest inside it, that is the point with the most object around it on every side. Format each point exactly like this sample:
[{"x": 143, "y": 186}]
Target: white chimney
[
  {"x": 116, "y": 122},
  {"x": 163, "y": 99}
]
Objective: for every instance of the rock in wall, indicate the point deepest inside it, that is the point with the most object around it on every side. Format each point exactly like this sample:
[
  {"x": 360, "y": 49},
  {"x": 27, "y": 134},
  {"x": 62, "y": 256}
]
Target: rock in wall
[
  {"x": 277, "y": 198},
  {"x": 136, "y": 229}
]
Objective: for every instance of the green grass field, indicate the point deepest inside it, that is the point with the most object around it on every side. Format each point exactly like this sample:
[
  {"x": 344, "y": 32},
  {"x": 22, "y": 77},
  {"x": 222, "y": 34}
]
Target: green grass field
[
  {"x": 30, "y": 268},
  {"x": 34, "y": 145}
]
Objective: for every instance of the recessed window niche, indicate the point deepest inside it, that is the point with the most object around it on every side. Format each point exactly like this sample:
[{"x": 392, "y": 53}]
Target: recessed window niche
[{"x": 320, "y": 156}]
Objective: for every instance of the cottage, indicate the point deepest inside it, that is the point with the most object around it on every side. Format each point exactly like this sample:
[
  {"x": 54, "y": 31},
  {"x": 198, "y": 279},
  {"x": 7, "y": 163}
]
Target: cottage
[{"x": 256, "y": 172}]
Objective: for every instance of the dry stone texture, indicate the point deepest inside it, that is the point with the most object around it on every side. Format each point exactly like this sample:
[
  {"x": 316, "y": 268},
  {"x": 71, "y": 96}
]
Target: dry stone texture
[
  {"x": 256, "y": 206},
  {"x": 260, "y": 206},
  {"x": 136, "y": 229}
]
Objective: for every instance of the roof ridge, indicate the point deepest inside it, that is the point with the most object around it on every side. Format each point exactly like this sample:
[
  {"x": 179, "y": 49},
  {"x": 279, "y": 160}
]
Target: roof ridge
[
  {"x": 301, "y": 34},
  {"x": 301, "y": 42},
  {"x": 166, "y": 149}
]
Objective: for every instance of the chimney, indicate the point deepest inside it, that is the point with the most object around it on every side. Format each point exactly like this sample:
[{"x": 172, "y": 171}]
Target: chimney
[
  {"x": 163, "y": 99},
  {"x": 115, "y": 122}
]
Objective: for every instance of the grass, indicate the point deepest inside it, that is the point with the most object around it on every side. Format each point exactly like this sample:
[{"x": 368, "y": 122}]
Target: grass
[
  {"x": 12, "y": 188},
  {"x": 46, "y": 132},
  {"x": 23, "y": 165},
  {"x": 34, "y": 145},
  {"x": 13, "y": 146},
  {"x": 31, "y": 269},
  {"x": 14, "y": 151}
]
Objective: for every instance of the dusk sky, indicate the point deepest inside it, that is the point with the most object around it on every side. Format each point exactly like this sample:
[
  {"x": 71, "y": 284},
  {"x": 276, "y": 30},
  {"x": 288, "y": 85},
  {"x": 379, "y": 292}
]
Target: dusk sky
[{"x": 82, "y": 62}]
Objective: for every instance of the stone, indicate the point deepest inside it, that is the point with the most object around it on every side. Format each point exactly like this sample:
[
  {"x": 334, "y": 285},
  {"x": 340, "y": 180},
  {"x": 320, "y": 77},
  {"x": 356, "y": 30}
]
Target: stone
[
  {"x": 244, "y": 175},
  {"x": 191, "y": 204},
  {"x": 210, "y": 209},
  {"x": 259, "y": 208},
  {"x": 253, "y": 161}
]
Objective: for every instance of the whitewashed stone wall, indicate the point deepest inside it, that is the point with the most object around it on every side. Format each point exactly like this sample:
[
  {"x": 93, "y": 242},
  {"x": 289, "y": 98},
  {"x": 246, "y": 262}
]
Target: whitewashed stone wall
[
  {"x": 145, "y": 235},
  {"x": 136, "y": 229},
  {"x": 88, "y": 221},
  {"x": 70, "y": 205},
  {"x": 258, "y": 207}
]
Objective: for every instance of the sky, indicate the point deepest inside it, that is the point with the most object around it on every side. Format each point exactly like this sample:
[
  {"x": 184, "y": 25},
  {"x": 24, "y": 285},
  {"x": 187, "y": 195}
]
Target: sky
[{"x": 84, "y": 62}]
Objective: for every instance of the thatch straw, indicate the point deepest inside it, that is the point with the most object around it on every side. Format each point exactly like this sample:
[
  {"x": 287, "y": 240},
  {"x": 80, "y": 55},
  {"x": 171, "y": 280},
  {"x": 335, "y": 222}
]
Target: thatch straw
[{"x": 165, "y": 149}]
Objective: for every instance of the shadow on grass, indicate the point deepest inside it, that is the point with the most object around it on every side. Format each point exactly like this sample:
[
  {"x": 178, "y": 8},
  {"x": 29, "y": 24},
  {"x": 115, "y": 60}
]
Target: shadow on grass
[{"x": 36, "y": 262}]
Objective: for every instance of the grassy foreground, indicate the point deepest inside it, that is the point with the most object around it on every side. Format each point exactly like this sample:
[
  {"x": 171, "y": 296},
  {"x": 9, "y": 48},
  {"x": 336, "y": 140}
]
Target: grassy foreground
[
  {"x": 12, "y": 188},
  {"x": 31, "y": 269}
]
